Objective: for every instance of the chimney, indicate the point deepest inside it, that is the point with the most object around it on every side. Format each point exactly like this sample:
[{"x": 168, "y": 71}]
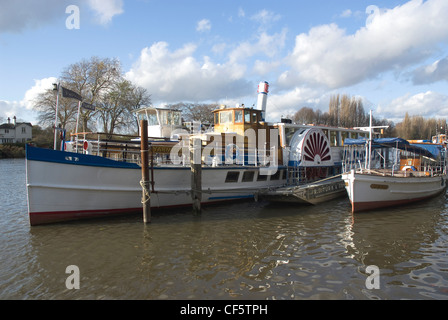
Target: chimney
[
  {"x": 9, "y": 120},
  {"x": 14, "y": 120},
  {"x": 263, "y": 89}
]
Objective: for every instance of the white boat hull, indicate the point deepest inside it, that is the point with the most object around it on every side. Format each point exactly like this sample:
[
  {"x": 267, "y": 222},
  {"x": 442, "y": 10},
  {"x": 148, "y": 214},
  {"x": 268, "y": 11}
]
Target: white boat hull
[
  {"x": 65, "y": 186},
  {"x": 370, "y": 191}
]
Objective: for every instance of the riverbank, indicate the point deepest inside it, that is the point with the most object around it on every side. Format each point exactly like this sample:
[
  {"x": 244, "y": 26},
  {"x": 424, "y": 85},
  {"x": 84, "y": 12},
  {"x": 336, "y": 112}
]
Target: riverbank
[{"x": 12, "y": 150}]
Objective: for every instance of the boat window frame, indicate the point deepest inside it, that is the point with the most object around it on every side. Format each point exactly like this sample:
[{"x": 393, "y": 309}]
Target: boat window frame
[
  {"x": 226, "y": 117},
  {"x": 277, "y": 175},
  {"x": 262, "y": 177},
  {"x": 238, "y": 116},
  {"x": 248, "y": 176},
  {"x": 217, "y": 118},
  {"x": 232, "y": 177},
  {"x": 247, "y": 116}
]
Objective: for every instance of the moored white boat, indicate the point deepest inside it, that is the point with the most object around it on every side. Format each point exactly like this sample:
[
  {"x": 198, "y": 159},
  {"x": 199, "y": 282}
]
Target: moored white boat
[
  {"x": 369, "y": 190},
  {"x": 400, "y": 173},
  {"x": 67, "y": 186}
]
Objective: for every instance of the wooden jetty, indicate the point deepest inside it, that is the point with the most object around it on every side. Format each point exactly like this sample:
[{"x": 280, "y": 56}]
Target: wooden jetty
[{"x": 310, "y": 193}]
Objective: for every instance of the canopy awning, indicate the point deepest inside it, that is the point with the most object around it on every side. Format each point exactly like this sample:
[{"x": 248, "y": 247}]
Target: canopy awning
[{"x": 430, "y": 151}]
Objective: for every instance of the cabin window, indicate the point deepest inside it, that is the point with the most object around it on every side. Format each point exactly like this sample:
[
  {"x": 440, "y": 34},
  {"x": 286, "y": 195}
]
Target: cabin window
[
  {"x": 225, "y": 117},
  {"x": 262, "y": 177},
  {"x": 232, "y": 176},
  {"x": 248, "y": 176},
  {"x": 276, "y": 176},
  {"x": 152, "y": 119},
  {"x": 163, "y": 117},
  {"x": 169, "y": 117},
  {"x": 247, "y": 116},
  {"x": 334, "y": 138},
  {"x": 238, "y": 116},
  {"x": 175, "y": 118},
  {"x": 217, "y": 118},
  {"x": 254, "y": 117},
  {"x": 344, "y": 136}
]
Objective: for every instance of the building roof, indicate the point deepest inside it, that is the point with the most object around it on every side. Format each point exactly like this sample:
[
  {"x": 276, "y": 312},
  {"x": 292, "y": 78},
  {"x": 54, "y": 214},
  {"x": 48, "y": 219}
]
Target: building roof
[{"x": 12, "y": 126}]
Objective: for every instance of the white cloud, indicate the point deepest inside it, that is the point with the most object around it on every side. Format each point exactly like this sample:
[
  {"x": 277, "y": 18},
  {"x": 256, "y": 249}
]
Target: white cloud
[
  {"x": 346, "y": 13},
  {"x": 106, "y": 9},
  {"x": 392, "y": 40},
  {"x": 204, "y": 25},
  {"x": 17, "y": 16},
  {"x": 173, "y": 76},
  {"x": 427, "y": 104},
  {"x": 23, "y": 109},
  {"x": 265, "y": 67},
  {"x": 241, "y": 13},
  {"x": 268, "y": 45},
  {"x": 287, "y": 103},
  {"x": 39, "y": 87},
  {"x": 266, "y": 17},
  {"x": 438, "y": 71}
]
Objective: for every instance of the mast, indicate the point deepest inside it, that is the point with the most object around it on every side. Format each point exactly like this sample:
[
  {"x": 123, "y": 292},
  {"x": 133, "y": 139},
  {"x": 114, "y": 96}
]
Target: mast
[{"x": 370, "y": 139}]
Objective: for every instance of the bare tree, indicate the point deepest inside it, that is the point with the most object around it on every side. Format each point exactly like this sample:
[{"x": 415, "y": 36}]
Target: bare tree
[
  {"x": 100, "y": 82},
  {"x": 116, "y": 106},
  {"x": 196, "y": 111},
  {"x": 305, "y": 115},
  {"x": 45, "y": 104},
  {"x": 91, "y": 78},
  {"x": 334, "y": 111}
]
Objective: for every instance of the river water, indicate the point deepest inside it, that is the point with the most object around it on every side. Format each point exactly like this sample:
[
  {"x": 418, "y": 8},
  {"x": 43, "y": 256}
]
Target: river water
[{"x": 246, "y": 250}]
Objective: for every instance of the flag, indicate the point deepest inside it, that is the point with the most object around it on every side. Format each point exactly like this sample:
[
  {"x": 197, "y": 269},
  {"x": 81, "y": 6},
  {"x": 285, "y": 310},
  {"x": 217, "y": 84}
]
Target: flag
[
  {"x": 88, "y": 106},
  {"x": 66, "y": 93}
]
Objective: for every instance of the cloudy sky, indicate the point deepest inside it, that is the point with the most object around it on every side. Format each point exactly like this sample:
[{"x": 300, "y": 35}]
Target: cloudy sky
[{"x": 393, "y": 54}]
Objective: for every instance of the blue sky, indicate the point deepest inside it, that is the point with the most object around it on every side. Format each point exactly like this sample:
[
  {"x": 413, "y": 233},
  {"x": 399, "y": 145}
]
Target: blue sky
[{"x": 393, "y": 54}]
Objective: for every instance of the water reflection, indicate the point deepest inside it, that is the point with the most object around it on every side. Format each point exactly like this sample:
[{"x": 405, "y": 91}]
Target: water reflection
[
  {"x": 247, "y": 251},
  {"x": 402, "y": 242}
]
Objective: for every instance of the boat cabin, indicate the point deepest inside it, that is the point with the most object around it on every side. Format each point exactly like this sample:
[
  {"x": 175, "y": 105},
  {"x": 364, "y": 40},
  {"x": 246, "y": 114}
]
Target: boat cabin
[
  {"x": 162, "y": 122},
  {"x": 238, "y": 120}
]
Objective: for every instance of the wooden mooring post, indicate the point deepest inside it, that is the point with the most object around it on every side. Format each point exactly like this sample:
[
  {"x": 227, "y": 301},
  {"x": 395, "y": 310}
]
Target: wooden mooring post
[
  {"x": 196, "y": 174},
  {"x": 146, "y": 196}
]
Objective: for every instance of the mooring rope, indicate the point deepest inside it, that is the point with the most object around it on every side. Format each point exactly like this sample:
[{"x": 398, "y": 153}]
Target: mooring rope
[{"x": 146, "y": 192}]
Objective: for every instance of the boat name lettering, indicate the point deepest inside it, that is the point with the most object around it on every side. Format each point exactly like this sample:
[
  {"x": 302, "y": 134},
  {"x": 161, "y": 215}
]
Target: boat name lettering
[
  {"x": 160, "y": 149},
  {"x": 379, "y": 186},
  {"x": 325, "y": 189},
  {"x": 69, "y": 158}
]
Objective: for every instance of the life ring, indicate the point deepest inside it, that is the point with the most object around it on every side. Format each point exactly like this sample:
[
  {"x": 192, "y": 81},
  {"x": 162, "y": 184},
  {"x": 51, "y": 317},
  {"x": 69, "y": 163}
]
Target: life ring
[
  {"x": 232, "y": 152},
  {"x": 409, "y": 168}
]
